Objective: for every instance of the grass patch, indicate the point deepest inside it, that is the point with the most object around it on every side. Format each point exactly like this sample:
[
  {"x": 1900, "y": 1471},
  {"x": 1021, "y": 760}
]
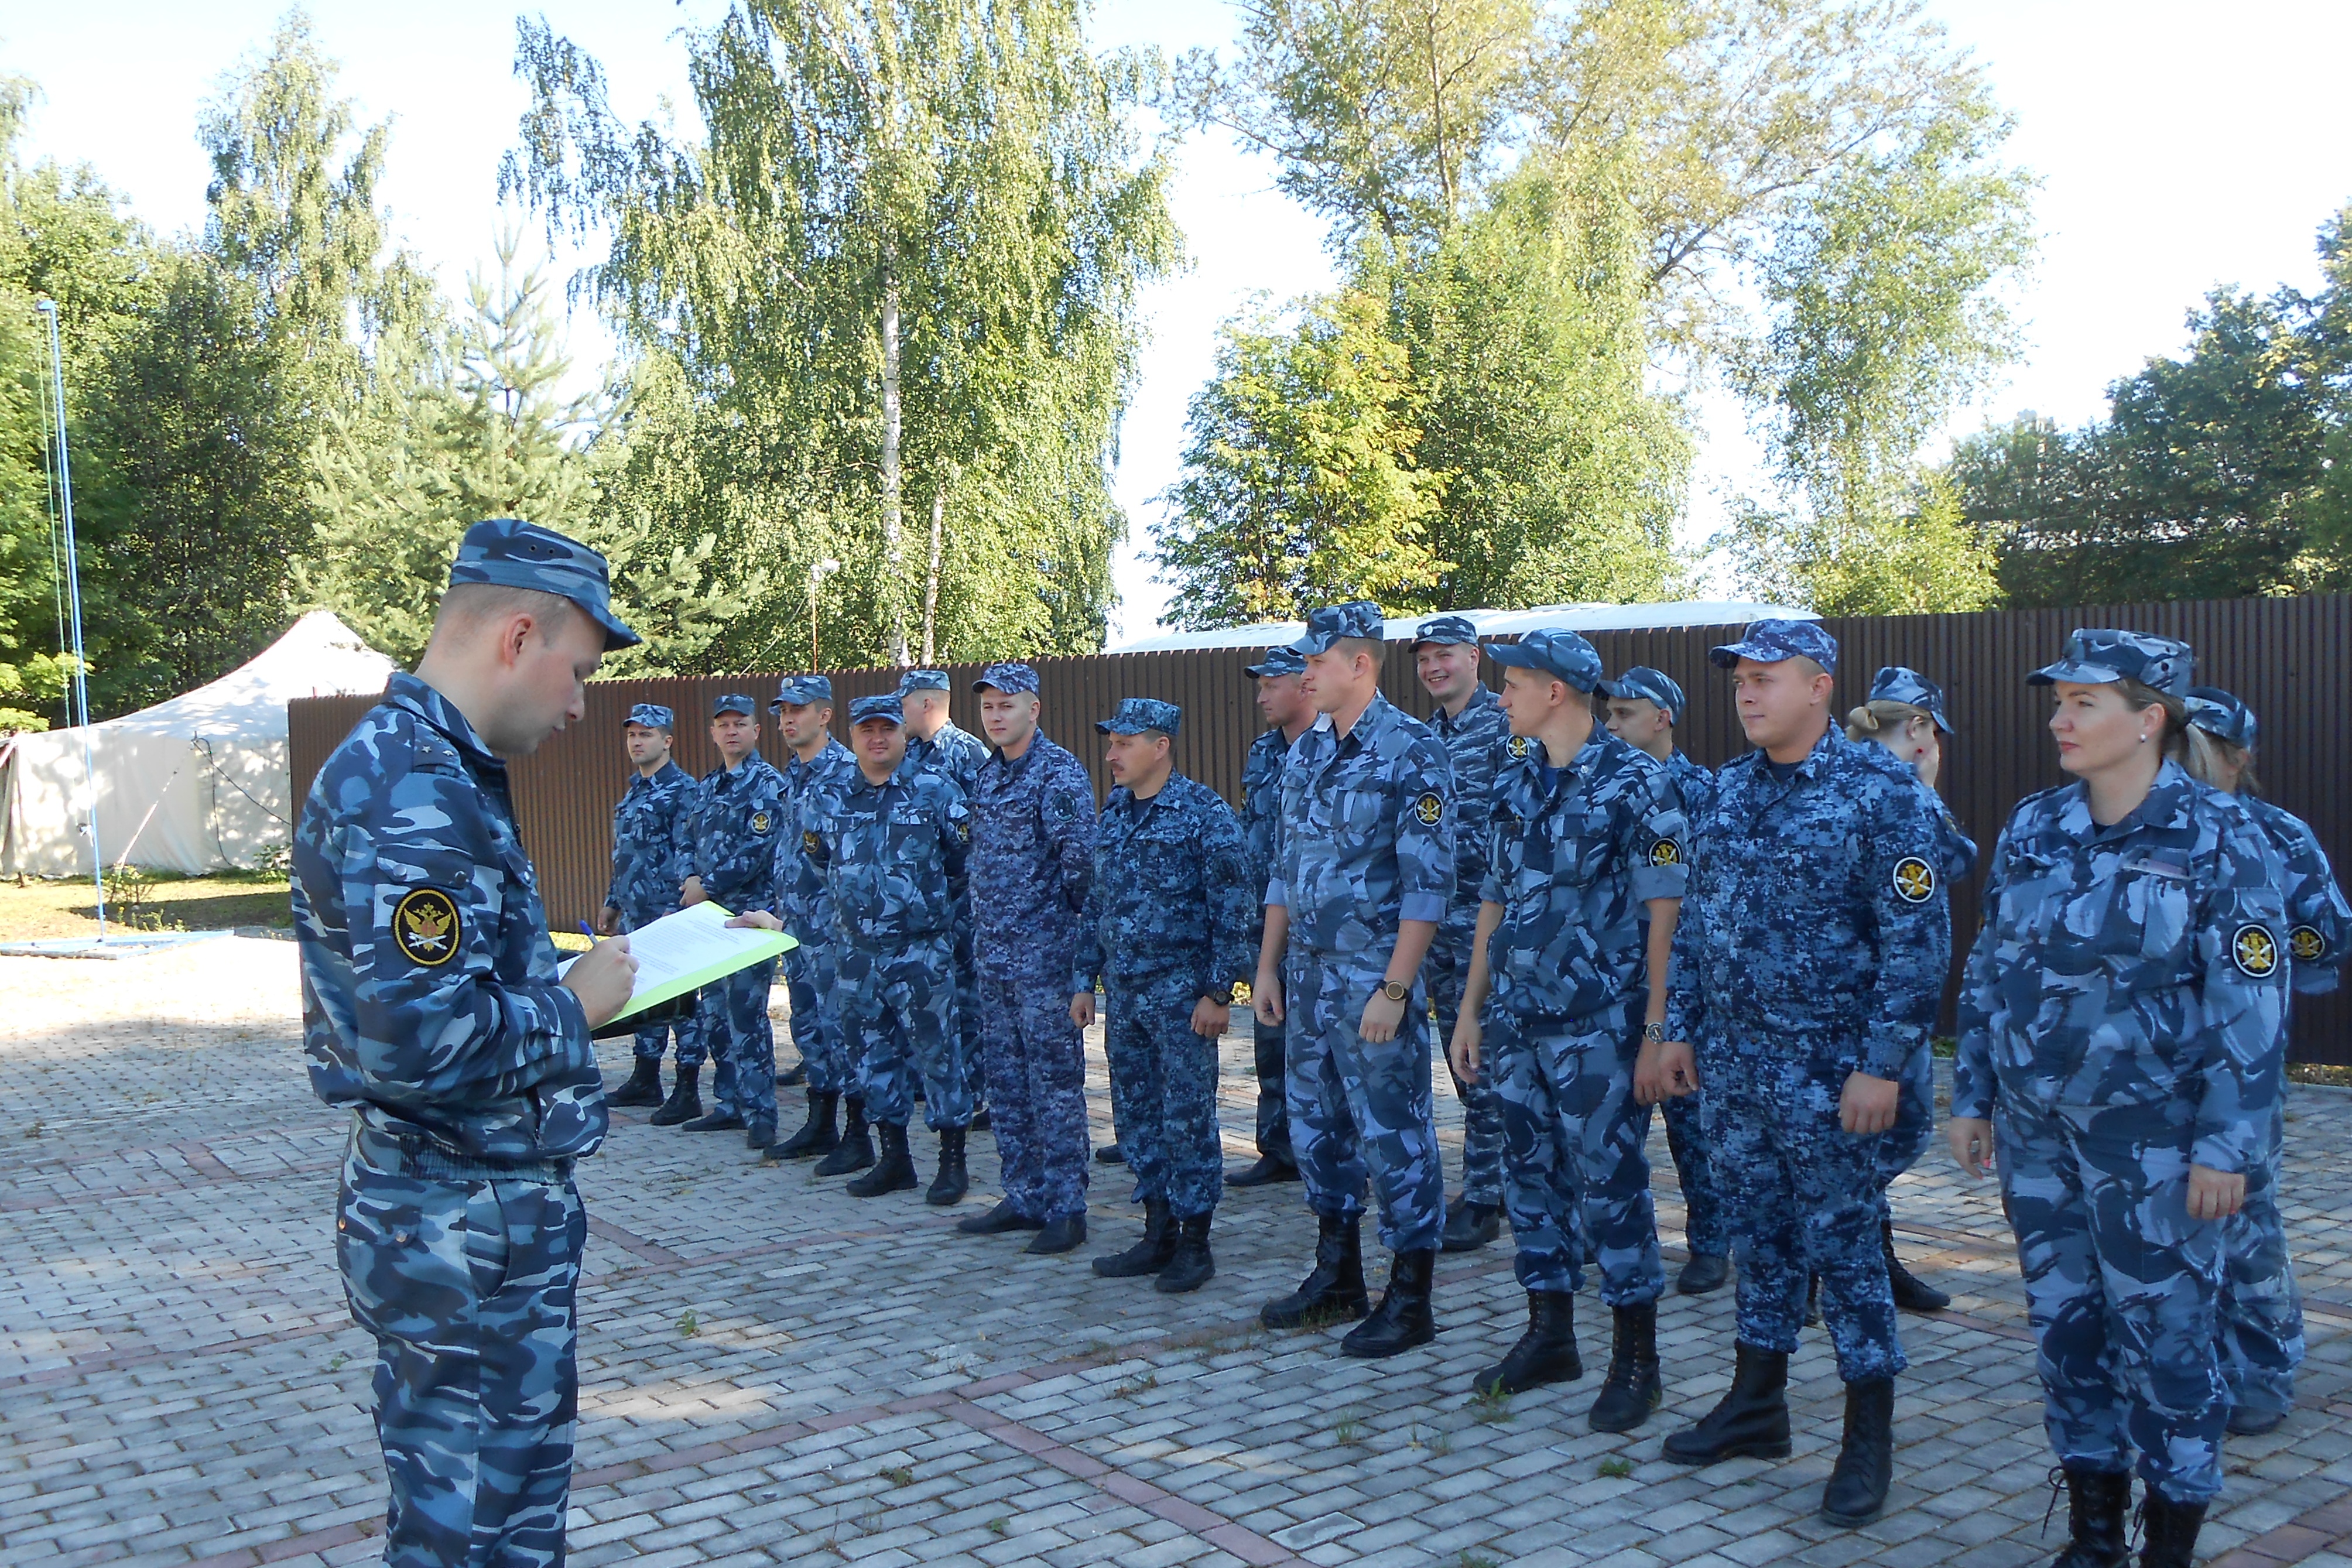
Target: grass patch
[
  {"x": 1491, "y": 1405},
  {"x": 42, "y": 907},
  {"x": 2315, "y": 1072},
  {"x": 1617, "y": 1467},
  {"x": 899, "y": 1475}
]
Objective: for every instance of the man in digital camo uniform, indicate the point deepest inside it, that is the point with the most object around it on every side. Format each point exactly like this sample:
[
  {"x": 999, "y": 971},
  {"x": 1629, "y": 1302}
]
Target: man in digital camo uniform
[
  {"x": 653, "y": 849},
  {"x": 1033, "y": 848},
  {"x": 431, "y": 1008},
  {"x": 1166, "y": 931},
  {"x": 1809, "y": 962},
  {"x": 1646, "y": 710},
  {"x": 1469, "y": 721},
  {"x": 1287, "y": 714},
  {"x": 804, "y": 710},
  {"x": 934, "y": 742},
  {"x": 739, "y": 821},
  {"x": 1366, "y": 868}
]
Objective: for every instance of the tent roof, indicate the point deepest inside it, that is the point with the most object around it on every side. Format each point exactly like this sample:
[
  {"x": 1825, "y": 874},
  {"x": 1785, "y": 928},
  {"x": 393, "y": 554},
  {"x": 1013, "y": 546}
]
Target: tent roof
[
  {"x": 1586, "y": 617},
  {"x": 318, "y": 657}
]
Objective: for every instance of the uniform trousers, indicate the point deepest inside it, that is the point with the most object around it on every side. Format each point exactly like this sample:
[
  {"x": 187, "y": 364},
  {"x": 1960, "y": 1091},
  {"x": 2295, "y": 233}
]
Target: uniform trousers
[
  {"x": 1360, "y": 1108},
  {"x": 1163, "y": 1092},
  {"x": 1037, "y": 1089},
  {"x": 1444, "y": 972},
  {"x": 812, "y": 979},
  {"x": 2261, "y": 1311},
  {"x": 901, "y": 1024},
  {"x": 733, "y": 1017},
  {"x": 1900, "y": 1146}
]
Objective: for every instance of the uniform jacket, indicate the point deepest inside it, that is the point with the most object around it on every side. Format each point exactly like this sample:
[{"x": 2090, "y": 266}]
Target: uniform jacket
[
  {"x": 1812, "y": 922},
  {"x": 956, "y": 752},
  {"x": 1476, "y": 740},
  {"x": 653, "y": 843},
  {"x": 801, "y": 901},
  {"x": 1956, "y": 852},
  {"x": 2319, "y": 924},
  {"x": 1171, "y": 894},
  {"x": 738, "y": 820},
  {"x": 2143, "y": 963},
  {"x": 1367, "y": 834},
  {"x": 893, "y": 855},
  {"x": 429, "y": 995},
  {"x": 1261, "y": 808},
  {"x": 1693, "y": 783},
  {"x": 1033, "y": 850},
  {"x": 1571, "y": 862}
]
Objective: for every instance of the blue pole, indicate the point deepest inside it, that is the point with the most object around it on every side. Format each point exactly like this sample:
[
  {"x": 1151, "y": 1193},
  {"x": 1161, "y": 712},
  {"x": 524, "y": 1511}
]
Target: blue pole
[{"x": 78, "y": 709}]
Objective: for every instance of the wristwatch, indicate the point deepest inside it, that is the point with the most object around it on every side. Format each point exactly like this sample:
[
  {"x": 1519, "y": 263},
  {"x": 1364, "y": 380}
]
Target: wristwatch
[
  {"x": 1653, "y": 1034},
  {"x": 1394, "y": 991}
]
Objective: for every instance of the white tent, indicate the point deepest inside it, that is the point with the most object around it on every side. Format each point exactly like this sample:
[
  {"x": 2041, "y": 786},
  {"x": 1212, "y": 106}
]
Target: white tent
[{"x": 193, "y": 785}]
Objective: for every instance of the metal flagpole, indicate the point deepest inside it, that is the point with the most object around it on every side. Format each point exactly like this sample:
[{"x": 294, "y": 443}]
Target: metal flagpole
[{"x": 80, "y": 707}]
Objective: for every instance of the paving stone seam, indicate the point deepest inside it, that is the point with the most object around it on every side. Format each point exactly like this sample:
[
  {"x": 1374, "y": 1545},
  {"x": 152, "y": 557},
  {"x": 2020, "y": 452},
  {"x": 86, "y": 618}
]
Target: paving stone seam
[{"x": 2327, "y": 1527}]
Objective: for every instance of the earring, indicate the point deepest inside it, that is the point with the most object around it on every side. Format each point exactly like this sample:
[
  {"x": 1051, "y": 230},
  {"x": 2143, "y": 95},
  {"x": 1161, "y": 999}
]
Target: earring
[{"x": 2143, "y": 740}]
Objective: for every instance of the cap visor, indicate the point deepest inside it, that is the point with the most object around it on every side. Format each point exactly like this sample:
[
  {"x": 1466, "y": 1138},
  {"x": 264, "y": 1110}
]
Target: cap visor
[
  {"x": 1515, "y": 655},
  {"x": 617, "y": 635},
  {"x": 2078, "y": 674},
  {"x": 1731, "y": 653}
]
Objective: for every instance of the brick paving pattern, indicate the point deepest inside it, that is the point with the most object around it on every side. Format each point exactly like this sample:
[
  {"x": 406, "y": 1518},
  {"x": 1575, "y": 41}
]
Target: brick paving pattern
[{"x": 774, "y": 1371}]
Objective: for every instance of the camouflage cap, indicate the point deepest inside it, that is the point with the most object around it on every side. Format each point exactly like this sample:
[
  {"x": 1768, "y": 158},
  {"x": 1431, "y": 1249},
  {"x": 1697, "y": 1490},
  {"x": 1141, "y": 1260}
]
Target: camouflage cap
[
  {"x": 1899, "y": 683},
  {"x": 798, "y": 689},
  {"x": 1563, "y": 655},
  {"x": 1769, "y": 642},
  {"x": 1284, "y": 660},
  {"x": 1445, "y": 629},
  {"x": 922, "y": 681},
  {"x": 733, "y": 702},
  {"x": 653, "y": 716},
  {"x": 1007, "y": 677},
  {"x": 2097, "y": 656},
  {"x": 1646, "y": 684},
  {"x": 885, "y": 705},
  {"x": 513, "y": 554},
  {"x": 1137, "y": 714},
  {"x": 2222, "y": 715},
  {"x": 1326, "y": 625}
]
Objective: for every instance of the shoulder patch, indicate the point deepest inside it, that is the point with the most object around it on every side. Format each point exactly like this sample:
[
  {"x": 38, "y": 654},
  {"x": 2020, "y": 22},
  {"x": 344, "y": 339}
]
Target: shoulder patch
[
  {"x": 2306, "y": 946},
  {"x": 810, "y": 842},
  {"x": 1518, "y": 748},
  {"x": 1915, "y": 879},
  {"x": 762, "y": 822},
  {"x": 1666, "y": 852},
  {"x": 427, "y": 928},
  {"x": 2254, "y": 950},
  {"x": 1430, "y": 808}
]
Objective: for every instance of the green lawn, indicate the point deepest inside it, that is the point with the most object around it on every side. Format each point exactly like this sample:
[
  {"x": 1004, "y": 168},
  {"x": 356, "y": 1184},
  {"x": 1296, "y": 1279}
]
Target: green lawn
[{"x": 40, "y": 908}]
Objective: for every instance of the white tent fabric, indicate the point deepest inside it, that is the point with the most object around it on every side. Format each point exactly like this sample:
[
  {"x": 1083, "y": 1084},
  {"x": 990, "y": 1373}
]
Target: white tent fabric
[
  {"x": 193, "y": 785},
  {"x": 1583, "y": 617}
]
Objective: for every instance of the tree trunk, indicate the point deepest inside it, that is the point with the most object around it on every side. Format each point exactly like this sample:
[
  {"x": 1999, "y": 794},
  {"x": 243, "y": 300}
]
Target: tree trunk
[
  {"x": 892, "y": 416},
  {"x": 931, "y": 579}
]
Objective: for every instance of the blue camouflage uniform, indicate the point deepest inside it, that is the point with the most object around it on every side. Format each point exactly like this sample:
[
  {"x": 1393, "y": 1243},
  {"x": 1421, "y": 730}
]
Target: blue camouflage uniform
[
  {"x": 1367, "y": 841},
  {"x": 811, "y": 970},
  {"x": 1811, "y": 947},
  {"x": 1033, "y": 842},
  {"x": 957, "y": 754},
  {"x": 2121, "y": 1018},
  {"x": 1261, "y": 816},
  {"x": 653, "y": 850},
  {"x": 893, "y": 856},
  {"x": 1954, "y": 858},
  {"x": 1704, "y": 1231},
  {"x": 739, "y": 821},
  {"x": 1476, "y": 738},
  {"x": 2260, "y": 1309},
  {"x": 1167, "y": 922},
  {"x": 1574, "y": 855},
  {"x": 431, "y": 1009}
]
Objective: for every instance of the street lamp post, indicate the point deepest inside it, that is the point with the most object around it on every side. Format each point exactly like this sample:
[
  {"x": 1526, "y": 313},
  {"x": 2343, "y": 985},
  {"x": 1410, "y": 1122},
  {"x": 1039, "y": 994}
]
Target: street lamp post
[{"x": 818, "y": 574}]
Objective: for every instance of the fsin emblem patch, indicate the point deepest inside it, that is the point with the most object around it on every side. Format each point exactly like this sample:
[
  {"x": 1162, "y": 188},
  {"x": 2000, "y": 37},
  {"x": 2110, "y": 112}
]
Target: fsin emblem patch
[
  {"x": 1666, "y": 852},
  {"x": 2307, "y": 944},
  {"x": 1518, "y": 748},
  {"x": 809, "y": 841},
  {"x": 2254, "y": 950},
  {"x": 760, "y": 822},
  {"x": 1915, "y": 879},
  {"x": 1429, "y": 808},
  {"x": 426, "y": 927}
]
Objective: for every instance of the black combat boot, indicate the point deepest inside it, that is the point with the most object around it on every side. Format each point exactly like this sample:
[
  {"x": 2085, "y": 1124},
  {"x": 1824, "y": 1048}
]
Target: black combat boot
[
  {"x": 718, "y": 1121},
  {"x": 2169, "y": 1531},
  {"x": 1866, "y": 1463},
  {"x": 1111, "y": 1155},
  {"x": 1149, "y": 1256},
  {"x": 684, "y": 1101},
  {"x": 893, "y": 1173},
  {"x": 1334, "y": 1288},
  {"x": 2096, "y": 1501},
  {"x": 1705, "y": 1271},
  {"x": 759, "y": 1134},
  {"x": 1001, "y": 1220},
  {"x": 1633, "y": 1388},
  {"x": 1269, "y": 1167},
  {"x": 1403, "y": 1320},
  {"x": 1191, "y": 1266},
  {"x": 1750, "y": 1421},
  {"x": 1066, "y": 1234},
  {"x": 816, "y": 1135},
  {"x": 1545, "y": 1353},
  {"x": 950, "y": 1186},
  {"x": 855, "y": 1151},
  {"x": 1813, "y": 1300},
  {"x": 1911, "y": 1293},
  {"x": 644, "y": 1087},
  {"x": 981, "y": 1121},
  {"x": 1469, "y": 1226},
  {"x": 793, "y": 1076}
]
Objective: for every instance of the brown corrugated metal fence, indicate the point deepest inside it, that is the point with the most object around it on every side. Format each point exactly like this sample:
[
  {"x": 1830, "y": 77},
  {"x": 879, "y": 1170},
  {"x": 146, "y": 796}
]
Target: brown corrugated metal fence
[{"x": 2286, "y": 657}]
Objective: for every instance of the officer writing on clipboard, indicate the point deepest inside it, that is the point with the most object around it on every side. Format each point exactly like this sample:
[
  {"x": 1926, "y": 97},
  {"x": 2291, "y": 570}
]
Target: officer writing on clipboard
[{"x": 433, "y": 1010}]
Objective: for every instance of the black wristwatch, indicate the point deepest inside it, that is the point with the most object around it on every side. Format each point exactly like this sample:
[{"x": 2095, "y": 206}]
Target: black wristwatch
[
  {"x": 1395, "y": 991},
  {"x": 1653, "y": 1034}
]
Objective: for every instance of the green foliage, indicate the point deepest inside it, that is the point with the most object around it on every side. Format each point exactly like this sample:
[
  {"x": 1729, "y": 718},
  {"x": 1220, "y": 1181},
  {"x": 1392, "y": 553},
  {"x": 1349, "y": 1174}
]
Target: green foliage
[
  {"x": 1301, "y": 486},
  {"x": 1928, "y": 561}
]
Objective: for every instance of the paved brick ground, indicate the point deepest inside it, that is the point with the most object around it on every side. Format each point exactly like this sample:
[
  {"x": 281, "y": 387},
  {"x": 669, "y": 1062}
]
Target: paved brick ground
[{"x": 775, "y": 1371}]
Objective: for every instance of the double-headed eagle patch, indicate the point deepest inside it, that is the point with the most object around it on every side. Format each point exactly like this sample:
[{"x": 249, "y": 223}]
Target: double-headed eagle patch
[
  {"x": 2307, "y": 944},
  {"x": 1429, "y": 808},
  {"x": 426, "y": 927},
  {"x": 2254, "y": 950},
  {"x": 1666, "y": 852},
  {"x": 1915, "y": 879}
]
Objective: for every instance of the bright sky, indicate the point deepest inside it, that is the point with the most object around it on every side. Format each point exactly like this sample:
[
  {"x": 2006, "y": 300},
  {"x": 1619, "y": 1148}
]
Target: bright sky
[{"x": 2182, "y": 145}]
